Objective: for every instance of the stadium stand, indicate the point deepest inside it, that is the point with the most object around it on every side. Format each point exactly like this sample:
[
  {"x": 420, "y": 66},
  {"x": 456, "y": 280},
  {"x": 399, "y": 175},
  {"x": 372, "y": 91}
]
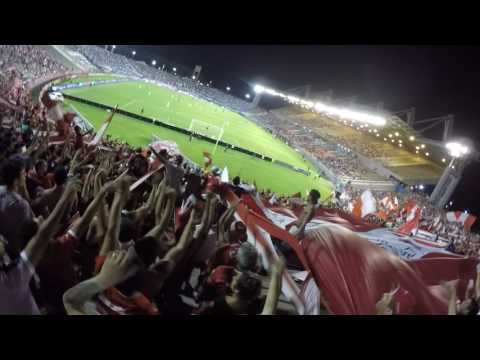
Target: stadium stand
[{"x": 142, "y": 232}]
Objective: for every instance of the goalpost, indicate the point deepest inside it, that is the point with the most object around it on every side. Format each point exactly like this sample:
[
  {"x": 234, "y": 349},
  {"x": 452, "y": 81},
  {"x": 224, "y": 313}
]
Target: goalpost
[{"x": 208, "y": 130}]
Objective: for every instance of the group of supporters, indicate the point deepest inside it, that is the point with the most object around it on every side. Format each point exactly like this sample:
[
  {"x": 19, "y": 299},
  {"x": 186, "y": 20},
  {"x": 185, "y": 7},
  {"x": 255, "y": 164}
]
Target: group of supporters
[
  {"x": 330, "y": 152},
  {"x": 395, "y": 209},
  {"x": 25, "y": 63},
  {"x": 94, "y": 226},
  {"x": 107, "y": 60},
  {"x": 79, "y": 237}
]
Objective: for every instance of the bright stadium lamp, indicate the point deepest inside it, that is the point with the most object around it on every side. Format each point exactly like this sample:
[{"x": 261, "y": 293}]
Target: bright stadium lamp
[
  {"x": 174, "y": 69},
  {"x": 427, "y": 154},
  {"x": 247, "y": 96},
  {"x": 421, "y": 187},
  {"x": 390, "y": 135},
  {"x": 443, "y": 159},
  {"x": 228, "y": 88},
  {"x": 422, "y": 146},
  {"x": 134, "y": 53},
  {"x": 114, "y": 46},
  {"x": 154, "y": 62},
  {"x": 412, "y": 138},
  {"x": 193, "y": 77},
  {"x": 258, "y": 89},
  {"x": 397, "y": 134},
  {"x": 456, "y": 149}
]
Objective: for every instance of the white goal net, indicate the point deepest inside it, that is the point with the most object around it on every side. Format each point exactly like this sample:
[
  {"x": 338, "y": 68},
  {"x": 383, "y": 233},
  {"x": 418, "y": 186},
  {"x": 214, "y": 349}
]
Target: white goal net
[{"x": 206, "y": 129}]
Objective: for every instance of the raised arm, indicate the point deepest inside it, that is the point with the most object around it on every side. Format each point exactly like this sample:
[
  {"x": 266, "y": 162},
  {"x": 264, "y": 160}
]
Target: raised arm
[
  {"x": 165, "y": 217},
  {"x": 275, "y": 287},
  {"x": 223, "y": 235},
  {"x": 98, "y": 202},
  {"x": 114, "y": 220},
  {"x": 37, "y": 245},
  {"x": 175, "y": 254},
  {"x": 117, "y": 268}
]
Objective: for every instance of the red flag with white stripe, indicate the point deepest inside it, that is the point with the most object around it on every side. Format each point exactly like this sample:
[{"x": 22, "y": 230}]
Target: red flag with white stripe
[{"x": 461, "y": 217}]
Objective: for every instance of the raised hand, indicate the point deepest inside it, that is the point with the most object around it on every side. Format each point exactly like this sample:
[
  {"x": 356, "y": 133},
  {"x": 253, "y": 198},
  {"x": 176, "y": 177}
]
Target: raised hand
[{"x": 117, "y": 268}]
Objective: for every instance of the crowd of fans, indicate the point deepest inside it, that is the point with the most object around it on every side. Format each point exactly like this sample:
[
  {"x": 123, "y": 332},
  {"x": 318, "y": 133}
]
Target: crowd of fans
[
  {"x": 68, "y": 214},
  {"x": 116, "y": 63},
  {"x": 25, "y": 63},
  {"x": 460, "y": 239},
  {"x": 76, "y": 237}
]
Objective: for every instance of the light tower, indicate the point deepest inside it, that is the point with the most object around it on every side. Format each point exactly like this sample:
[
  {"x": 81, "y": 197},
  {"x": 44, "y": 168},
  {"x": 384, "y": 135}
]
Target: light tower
[{"x": 462, "y": 152}]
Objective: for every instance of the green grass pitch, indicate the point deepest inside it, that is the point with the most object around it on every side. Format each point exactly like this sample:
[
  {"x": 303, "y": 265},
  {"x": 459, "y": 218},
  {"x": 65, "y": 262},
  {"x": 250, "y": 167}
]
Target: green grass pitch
[{"x": 179, "y": 109}]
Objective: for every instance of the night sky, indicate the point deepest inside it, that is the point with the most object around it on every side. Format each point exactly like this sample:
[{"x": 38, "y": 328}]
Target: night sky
[{"x": 437, "y": 80}]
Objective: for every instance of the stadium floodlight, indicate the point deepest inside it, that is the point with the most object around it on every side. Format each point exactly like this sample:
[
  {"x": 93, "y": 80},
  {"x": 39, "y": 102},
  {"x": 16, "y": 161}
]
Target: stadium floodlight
[
  {"x": 247, "y": 96},
  {"x": 456, "y": 149},
  {"x": 393, "y": 140},
  {"x": 422, "y": 146},
  {"x": 427, "y": 154},
  {"x": 134, "y": 53},
  {"x": 397, "y": 134},
  {"x": 443, "y": 159},
  {"x": 374, "y": 130},
  {"x": 412, "y": 138},
  {"x": 400, "y": 145},
  {"x": 228, "y": 88},
  {"x": 378, "y": 135},
  {"x": 193, "y": 77},
  {"x": 400, "y": 141},
  {"x": 154, "y": 62},
  {"x": 384, "y": 139},
  {"x": 390, "y": 135},
  {"x": 258, "y": 89},
  {"x": 421, "y": 187},
  {"x": 416, "y": 151},
  {"x": 174, "y": 69},
  {"x": 114, "y": 46}
]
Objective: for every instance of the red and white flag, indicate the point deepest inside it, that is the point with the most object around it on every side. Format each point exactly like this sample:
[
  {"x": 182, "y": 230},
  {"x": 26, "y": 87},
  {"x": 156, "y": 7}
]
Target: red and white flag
[
  {"x": 103, "y": 129},
  {"x": 207, "y": 159},
  {"x": 461, "y": 217}
]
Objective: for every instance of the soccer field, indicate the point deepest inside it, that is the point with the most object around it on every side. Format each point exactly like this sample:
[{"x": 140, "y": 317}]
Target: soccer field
[{"x": 179, "y": 109}]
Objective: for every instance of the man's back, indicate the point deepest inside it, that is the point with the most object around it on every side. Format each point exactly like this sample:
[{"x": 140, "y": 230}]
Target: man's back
[{"x": 15, "y": 213}]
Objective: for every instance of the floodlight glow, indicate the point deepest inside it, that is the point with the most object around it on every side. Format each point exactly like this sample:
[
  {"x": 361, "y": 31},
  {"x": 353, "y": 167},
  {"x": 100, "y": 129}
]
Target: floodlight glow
[
  {"x": 400, "y": 145},
  {"x": 422, "y": 146},
  {"x": 416, "y": 152},
  {"x": 393, "y": 140},
  {"x": 428, "y": 154},
  {"x": 193, "y": 77},
  {"x": 456, "y": 149},
  {"x": 384, "y": 139},
  {"x": 417, "y": 147},
  {"x": 397, "y": 134},
  {"x": 443, "y": 160},
  {"x": 174, "y": 69},
  {"x": 421, "y": 187},
  {"x": 228, "y": 88},
  {"x": 154, "y": 62},
  {"x": 258, "y": 89},
  {"x": 378, "y": 135},
  {"x": 374, "y": 130},
  {"x": 400, "y": 141},
  {"x": 134, "y": 53},
  {"x": 114, "y": 46},
  {"x": 390, "y": 135},
  {"x": 412, "y": 138},
  {"x": 247, "y": 96}
]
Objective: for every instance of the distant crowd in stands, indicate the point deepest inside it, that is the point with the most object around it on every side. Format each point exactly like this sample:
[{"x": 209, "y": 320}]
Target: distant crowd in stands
[{"x": 108, "y": 61}]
